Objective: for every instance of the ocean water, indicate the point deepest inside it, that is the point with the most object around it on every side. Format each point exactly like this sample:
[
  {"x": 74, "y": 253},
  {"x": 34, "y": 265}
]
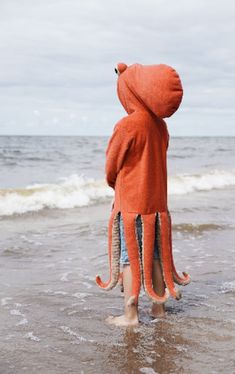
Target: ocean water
[
  {"x": 68, "y": 172},
  {"x": 54, "y": 209}
]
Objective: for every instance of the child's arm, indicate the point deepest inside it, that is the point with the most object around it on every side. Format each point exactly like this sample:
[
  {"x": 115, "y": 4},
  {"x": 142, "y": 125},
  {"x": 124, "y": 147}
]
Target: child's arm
[{"x": 118, "y": 145}]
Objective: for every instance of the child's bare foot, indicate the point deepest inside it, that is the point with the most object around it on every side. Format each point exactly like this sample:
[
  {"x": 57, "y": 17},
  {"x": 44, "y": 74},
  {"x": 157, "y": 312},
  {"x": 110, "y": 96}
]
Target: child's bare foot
[
  {"x": 122, "y": 320},
  {"x": 158, "y": 310}
]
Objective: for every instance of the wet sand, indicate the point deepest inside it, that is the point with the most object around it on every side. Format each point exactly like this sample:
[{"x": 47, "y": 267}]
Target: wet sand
[{"x": 52, "y": 313}]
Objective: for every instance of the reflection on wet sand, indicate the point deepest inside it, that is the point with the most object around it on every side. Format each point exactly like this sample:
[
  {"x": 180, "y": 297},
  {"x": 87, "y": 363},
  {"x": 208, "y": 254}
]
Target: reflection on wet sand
[{"x": 156, "y": 345}]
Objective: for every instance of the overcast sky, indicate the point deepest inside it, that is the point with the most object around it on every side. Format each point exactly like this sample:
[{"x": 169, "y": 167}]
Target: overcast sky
[{"x": 58, "y": 57}]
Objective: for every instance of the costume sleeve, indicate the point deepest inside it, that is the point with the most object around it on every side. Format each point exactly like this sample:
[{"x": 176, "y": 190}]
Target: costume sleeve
[
  {"x": 168, "y": 139},
  {"x": 118, "y": 146}
]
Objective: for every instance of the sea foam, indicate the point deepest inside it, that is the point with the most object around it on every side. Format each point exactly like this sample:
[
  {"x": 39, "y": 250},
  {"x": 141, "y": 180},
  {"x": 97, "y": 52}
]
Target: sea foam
[
  {"x": 74, "y": 191},
  {"x": 79, "y": 191},
  {"x": 214, "y": 179}
]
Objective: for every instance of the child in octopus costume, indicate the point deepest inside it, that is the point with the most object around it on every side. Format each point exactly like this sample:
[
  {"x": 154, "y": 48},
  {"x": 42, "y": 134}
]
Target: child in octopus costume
[{"x": 136, "y": 168}]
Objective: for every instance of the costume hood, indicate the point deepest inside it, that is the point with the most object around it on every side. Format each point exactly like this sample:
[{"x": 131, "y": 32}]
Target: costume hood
[{"x": 156, "y": 88}]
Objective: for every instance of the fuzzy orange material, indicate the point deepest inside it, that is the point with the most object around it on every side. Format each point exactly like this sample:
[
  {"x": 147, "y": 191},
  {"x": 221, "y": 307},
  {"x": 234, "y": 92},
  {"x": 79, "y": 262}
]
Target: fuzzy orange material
[{"x": 136, "y": 168}]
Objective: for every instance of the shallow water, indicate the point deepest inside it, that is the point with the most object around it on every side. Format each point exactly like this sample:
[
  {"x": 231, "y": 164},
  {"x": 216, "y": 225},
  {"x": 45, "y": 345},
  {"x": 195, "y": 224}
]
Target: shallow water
[
  {"x": 52, "y": 313},
  {"x": 54, "y": 210}
]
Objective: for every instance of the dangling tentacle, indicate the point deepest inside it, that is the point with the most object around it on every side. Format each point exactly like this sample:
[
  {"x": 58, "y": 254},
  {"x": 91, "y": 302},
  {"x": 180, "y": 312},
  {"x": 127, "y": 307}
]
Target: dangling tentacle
[
  {"x": 113, "y": 253},
  {"x": 183, "y": 281},
  {"x": 165, "y": 254},
  {"x": 148, "y": 238},
  {"x": 133, "y": 254}
]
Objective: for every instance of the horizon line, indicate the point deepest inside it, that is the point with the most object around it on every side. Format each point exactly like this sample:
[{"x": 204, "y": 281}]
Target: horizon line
[{"x": 108, "y": 135}]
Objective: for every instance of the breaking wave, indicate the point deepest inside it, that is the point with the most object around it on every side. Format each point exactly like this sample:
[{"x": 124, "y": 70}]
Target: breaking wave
[
  {"x": 215, "y": 179},
  {"x": 78, "y": 191},
  {"x": 74, "y": 191}
]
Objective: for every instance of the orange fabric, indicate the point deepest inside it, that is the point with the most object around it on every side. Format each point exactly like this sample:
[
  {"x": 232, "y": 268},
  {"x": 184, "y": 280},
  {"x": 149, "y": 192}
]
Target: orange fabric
[
  {"x": 106, "y": 285},
  {"x": 147, "y": 257},
  {"x": 136, "y": 168},
  {"x": 136, "y": 154},
  {"x": 166, "y": 256}
]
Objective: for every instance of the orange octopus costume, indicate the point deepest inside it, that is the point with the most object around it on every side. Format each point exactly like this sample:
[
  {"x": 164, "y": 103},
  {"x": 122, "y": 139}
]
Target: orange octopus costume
[{"x": 136, "y": 168}]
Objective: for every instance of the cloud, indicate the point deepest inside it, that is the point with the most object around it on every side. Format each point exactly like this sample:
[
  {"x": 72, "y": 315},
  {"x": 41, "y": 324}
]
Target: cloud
[{"x": 58, "y": 59}]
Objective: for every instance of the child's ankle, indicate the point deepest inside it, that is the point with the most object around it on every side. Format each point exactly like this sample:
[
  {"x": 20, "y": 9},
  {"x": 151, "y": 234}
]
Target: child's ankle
[
  {"x": 131, "y": 312},
  {"x": 158, "y": 310}
]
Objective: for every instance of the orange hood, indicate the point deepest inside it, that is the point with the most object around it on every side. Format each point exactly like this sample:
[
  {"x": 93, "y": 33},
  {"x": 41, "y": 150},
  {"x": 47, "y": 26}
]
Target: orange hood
[{"x": 156, "y": 88}]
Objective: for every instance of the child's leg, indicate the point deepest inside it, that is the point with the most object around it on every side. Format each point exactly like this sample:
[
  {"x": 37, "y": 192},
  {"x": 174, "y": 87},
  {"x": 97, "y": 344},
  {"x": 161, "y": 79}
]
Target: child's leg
[
  {"x": 130, "y": 316},
  {"x": 158, "y": 310},
  {"x": 131, "y": 311},
  {"x": 158, "y": 281}
]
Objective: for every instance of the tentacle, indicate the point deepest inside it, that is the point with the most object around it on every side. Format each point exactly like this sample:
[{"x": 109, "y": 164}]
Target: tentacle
[
  {"x": 113, "y": 253},
  {"x": 183, "y": 281},
  {"x": 148, "y": 230},
  {"x": 133, "y": 254},
  {"x": 165, "y": 254}
]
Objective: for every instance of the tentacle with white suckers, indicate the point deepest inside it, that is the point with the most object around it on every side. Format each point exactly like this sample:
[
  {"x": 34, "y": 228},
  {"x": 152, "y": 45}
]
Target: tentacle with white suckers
[
  {"x": 113, "y": 253},
  {"x": 165, "y": 254},
  {"x": 130, "y": 234},
  {"x": 148, "y": 239},
  {"x": 182, "y": 281}
]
